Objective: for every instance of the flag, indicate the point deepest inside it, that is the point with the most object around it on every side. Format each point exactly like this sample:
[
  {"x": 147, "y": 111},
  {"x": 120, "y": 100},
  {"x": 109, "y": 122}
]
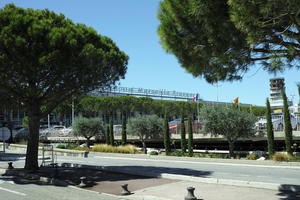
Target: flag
[
  {"x": 236, "y": 101},
  {"x": 195, "y": 98}
]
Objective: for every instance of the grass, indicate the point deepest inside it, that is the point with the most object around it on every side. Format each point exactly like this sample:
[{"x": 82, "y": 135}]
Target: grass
[
  {"x": 251, "y": 156},
  {"x": 211, "y": 155},
  {"x": 127, "y": 149},
  {"x": 280, "y": 157},
  {"x": 199, "y": 155}
]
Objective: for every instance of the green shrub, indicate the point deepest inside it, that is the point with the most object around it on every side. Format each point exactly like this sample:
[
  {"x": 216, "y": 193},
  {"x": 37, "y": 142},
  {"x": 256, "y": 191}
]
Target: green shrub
[
  {"x": 251, "y": 156},
  {"x": 280, "y": 157},
  {"x": 153, "y": 153},
  {"x": 217, "y": 155},
  {"x": 296, "y": 158},
  {"x": 178, "y": 153},
  {"x": 61, "y": 146}
]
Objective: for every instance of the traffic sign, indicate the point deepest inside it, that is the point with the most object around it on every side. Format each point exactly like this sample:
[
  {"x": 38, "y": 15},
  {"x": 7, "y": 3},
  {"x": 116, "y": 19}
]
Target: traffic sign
[{"x": 4, "y": 133}]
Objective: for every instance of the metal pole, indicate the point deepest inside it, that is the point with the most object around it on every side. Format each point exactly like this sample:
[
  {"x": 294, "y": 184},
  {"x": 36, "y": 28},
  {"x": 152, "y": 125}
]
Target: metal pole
[{"x": 2, "y": 129}]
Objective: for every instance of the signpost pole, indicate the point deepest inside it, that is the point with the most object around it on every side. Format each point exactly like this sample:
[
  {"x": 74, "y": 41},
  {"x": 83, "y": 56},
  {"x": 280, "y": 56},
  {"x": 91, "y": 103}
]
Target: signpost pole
[
  {"x": 3, "y": 140},
  {"x": 4, "y": 135}
]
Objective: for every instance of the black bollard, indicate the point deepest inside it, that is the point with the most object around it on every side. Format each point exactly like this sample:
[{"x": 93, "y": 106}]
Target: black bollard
[
  {"x": 190, "y": 195},
  {"x": 10, "y": 165},
  {"x": 82, "y": 182},
  {"x": 125, "y": 190}
]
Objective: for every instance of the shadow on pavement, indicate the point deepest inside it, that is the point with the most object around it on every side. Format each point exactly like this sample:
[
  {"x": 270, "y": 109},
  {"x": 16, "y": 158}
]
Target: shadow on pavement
[
  {"x": 289, "y": 195},
  {"x": 11, "y": 156},
  {"x": 64, "y": 176},
  {"x": 157, "y": 171},
  {"x": 106, "y": 181}
]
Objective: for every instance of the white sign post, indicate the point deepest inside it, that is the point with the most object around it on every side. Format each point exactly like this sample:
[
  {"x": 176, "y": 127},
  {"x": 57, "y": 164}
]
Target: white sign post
[{"x": 4, "y": 135}]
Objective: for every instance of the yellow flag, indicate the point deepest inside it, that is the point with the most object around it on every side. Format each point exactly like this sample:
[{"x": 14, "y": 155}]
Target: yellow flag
[{"x": 236, "y": 101}]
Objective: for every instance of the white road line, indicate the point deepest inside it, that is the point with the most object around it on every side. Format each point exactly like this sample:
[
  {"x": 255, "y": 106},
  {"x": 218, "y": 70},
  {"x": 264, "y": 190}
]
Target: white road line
[
  {"x": 11, "y": 182},
  {"x": 199, "y": 162},
  {"x": 12, "y": 191},
  {"x": 244, "y": 175}
]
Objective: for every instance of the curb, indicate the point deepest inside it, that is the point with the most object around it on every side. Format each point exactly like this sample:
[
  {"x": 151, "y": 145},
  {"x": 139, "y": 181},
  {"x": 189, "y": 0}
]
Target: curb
[{"x": 231, "y": 182}]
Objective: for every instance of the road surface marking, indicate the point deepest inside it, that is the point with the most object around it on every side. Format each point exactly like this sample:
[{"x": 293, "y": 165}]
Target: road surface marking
[
  {"x": 12, "y": 191},
  {"x": 11, "y": 182},
  {"x": 199, "y": 162}
]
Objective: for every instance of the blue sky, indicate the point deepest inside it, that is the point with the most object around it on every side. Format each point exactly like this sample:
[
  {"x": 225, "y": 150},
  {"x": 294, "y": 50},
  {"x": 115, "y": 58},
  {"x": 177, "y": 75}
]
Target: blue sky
[{"x": 132, "y": 24}]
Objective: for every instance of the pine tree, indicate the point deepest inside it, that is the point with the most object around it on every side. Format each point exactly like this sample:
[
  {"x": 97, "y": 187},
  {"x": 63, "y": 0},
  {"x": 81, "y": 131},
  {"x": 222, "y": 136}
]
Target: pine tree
[
  {"x": 183, "y": 140},
  {"x": 270, "y": 132},
  {"x": 167, "y": 134},
  {"x": 287, "y": 124},
  {"x": 111, "y": 131},
  {"x": 124, "y": 133},
  {"x": 190, "y": 138}
]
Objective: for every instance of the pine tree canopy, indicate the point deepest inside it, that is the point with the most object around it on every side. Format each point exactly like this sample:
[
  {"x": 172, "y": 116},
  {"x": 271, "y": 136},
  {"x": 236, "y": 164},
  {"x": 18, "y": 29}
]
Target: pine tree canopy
[{"x": 222, "y": 40}]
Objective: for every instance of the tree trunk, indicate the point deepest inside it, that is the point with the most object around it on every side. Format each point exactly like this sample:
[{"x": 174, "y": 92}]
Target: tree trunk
[
  {"x": 144, "y": 147},
  {"x": 87, "y": 142},
  {"x": 231, "y": 149},
  {"x": 124, "y": 133},
  {"x": 31, "y": 162}
]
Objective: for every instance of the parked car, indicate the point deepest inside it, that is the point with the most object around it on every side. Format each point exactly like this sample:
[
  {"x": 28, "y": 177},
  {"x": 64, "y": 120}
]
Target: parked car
[{"x": 22, "y": 134}]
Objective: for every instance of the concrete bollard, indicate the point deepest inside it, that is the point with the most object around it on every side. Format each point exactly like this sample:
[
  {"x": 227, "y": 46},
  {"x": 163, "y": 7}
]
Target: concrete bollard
[
  {"x": 125, "y": 190},
  {"x": 10, "y": 165},
  {"x": 190, "y": 195},
  {"x": 82, "y": 182}
]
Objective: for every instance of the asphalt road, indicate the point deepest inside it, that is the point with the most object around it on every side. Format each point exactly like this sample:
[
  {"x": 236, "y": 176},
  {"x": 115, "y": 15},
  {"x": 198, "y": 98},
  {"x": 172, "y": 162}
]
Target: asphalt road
[
  {"x": 259, "y": 171},
  {"x": 23, "y": 191}
]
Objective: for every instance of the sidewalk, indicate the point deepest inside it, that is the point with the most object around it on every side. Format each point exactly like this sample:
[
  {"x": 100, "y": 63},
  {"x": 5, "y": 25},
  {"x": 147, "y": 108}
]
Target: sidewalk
[
  {"x": 177, "y": 191},
  {"x": 204, "y": 190}
]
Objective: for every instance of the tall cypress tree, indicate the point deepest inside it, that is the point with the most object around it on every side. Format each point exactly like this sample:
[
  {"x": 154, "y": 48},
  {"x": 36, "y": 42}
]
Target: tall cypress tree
[
  {"x": 124, "y": 133},
  {"x": 190, "y": 138},
  {"x": 167, "y": 134},
  {"x": 270, "y": 131},
  {"x": 111, "y": 131},
  {"x": 287, "y": 125},
  {"x": 107, "y": 138},
  {"x": 182, "y": 132},
  {"x": 298, "y": 85}
]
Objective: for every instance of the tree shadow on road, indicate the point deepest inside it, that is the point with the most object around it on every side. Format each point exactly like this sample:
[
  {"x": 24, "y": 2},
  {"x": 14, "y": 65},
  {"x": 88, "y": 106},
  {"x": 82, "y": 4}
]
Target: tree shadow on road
[
  {"x": 289, "y": 192},
  {"x": 153, "y": 171},
  {"x": 102, "y": 179}
]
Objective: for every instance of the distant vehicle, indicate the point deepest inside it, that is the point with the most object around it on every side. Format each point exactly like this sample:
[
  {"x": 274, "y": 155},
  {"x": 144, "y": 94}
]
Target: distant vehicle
[
  {"x": 174, "y": 123},
  {"x": 56, "y": 131}
]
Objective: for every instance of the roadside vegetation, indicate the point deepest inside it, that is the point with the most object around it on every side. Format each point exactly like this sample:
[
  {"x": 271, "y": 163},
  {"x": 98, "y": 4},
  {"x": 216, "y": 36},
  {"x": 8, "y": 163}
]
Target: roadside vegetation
[{"x": 127, "y": 149}]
